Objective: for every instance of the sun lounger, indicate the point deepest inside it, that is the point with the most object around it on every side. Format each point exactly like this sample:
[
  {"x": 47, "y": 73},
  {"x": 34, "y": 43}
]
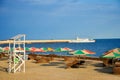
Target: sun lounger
[{"x": 75, "y": 64}]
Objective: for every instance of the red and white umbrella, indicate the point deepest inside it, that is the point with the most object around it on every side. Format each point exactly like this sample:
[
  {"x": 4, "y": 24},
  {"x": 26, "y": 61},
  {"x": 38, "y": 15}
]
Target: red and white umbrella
[
  {"x": 37, "y": 50},
  {"x": 43, "y": 49},
  {"x": 116, "y": 50},
  {"x": 66, "y": 49},
  {"x": 32, "y": 49},
  {"x": 6, "y": 49},
  {"x": 87, "y": 51}
]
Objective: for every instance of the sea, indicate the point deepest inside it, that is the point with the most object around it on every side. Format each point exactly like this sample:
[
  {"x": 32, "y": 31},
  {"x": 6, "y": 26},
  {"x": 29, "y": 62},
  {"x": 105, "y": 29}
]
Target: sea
[{"x": 99, "y": 47}]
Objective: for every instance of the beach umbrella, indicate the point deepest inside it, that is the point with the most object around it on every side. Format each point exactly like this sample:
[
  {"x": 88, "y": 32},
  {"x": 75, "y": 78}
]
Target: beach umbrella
[
  {"x": 61, "y": 51},
  {"x": 19, "y": 48},
  {"x": 77, "y": 52},
  {"x": 116, "y": 50},
  {"x": 43, "y": 49},
  {"x": 66, "y": 49},
  {"x": 37, "y": 50},
  {"x": 6, "y": 49},
  {"x": 111, "y": 55},
  {"x": 32, "y": 49},
  {"x": 82, "y": 52},
  {"x": 87, "y": 51},
  {"x": 114, "y": 53},
  {"x": 11, "y": 49},
  {"x": 50, "y": 49},
  {"x": 27, "y": 49},
  {"x": 1, "y": 49},
  {"x": 58, "y": 50}
]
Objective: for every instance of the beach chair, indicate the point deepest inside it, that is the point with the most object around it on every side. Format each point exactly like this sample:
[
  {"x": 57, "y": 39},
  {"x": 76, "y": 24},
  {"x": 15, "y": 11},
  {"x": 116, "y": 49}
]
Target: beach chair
[{"x": 76, "y": 64}]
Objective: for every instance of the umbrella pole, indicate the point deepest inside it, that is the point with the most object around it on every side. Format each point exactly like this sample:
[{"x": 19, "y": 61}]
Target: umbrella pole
[
  {"x": 113, "y": 64},
  {"x": 79, "y": 57}
]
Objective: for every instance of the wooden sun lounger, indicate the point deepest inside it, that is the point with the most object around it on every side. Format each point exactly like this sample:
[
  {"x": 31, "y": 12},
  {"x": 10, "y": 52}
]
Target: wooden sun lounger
[{"x": 75, "y": 64}]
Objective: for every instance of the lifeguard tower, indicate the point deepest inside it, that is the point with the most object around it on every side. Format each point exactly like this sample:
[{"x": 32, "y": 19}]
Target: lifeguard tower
[{"x": 17, "y": 54}]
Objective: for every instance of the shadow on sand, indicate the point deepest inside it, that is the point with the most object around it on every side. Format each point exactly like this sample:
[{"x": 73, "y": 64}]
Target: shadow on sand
[
  {"x": 3, "y": 69},
  {"x": 107, "y": 70},
  {"x": 98, "y": 65},
  {"x": 52, "y": 64},
  {"x": 100, "y": 68}
]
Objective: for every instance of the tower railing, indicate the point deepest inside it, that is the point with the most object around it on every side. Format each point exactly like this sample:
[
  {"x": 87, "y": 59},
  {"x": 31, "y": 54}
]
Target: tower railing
[{"x": 17, "y": 54}]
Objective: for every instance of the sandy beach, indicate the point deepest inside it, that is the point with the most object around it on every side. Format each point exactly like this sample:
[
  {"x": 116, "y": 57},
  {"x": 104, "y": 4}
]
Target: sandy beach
[{"x": 55, "y": 70}]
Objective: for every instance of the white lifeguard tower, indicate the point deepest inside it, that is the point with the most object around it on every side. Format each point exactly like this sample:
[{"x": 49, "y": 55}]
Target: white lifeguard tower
[{"x": 17, "y": 54}]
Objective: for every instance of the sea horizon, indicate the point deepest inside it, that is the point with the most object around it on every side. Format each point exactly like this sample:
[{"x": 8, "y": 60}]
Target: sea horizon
[{"x": 100, "y": 46}]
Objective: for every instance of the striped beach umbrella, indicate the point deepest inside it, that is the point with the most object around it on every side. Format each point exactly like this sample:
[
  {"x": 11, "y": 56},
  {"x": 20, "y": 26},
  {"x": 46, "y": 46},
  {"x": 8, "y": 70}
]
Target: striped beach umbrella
[
  {"x": 88, "y": 51},
  {"x": 58, "y": 50},
  {"x": 111, "y": 55},
  {"x": 116, "y": 50},
  {"x": 82, "y": 52},
  {"x": 32, "y": 49},
  {"x": 67, "y": 49},
  {"x": 19, "y": 48},
  {"x": 27, "y": 49},
  {"x": 77, "y": 52},
  {"x": 1, "y": 49},
  {"x": 50, "y": 49},
  {"x": 114, "y": 53},
  {"x": 43, "y": 49},
  {"x": 6, "y": 49},
  {"x": 37, "y": 50}
]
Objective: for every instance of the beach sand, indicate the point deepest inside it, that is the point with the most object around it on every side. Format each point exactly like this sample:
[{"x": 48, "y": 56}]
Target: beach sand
[{"x": 55, "y": 70}]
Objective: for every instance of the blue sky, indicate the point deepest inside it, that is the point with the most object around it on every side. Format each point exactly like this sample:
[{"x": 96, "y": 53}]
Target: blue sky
[{"x": 60, "y": 19}]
